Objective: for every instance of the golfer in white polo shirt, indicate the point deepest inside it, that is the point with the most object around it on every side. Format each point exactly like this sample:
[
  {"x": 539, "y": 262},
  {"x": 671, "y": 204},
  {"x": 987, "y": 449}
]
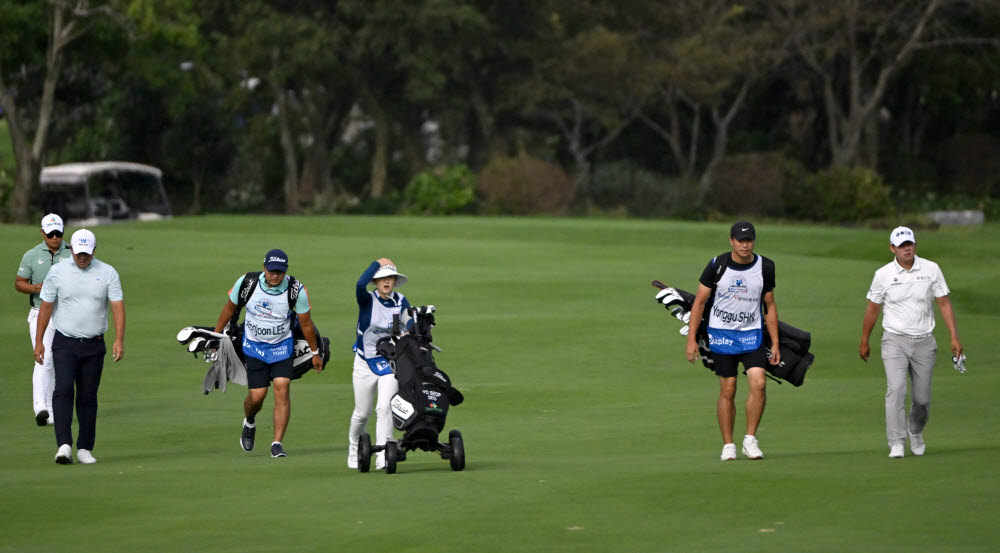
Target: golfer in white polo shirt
[{"x": 907, "y": 289}]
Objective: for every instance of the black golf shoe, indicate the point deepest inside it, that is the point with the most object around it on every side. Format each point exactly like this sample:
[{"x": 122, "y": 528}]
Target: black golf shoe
[
  {"x": 246, "y": 439},
  {"x": 277, "y": 450}
]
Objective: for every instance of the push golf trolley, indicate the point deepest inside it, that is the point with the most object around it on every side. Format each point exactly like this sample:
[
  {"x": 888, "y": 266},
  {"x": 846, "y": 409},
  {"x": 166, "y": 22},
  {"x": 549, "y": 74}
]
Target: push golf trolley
[{"x": 420, "y": 408}]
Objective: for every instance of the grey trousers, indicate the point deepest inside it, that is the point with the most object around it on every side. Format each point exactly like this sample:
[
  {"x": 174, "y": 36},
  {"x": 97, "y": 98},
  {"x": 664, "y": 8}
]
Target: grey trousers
[{"x": 904, "y": 356}]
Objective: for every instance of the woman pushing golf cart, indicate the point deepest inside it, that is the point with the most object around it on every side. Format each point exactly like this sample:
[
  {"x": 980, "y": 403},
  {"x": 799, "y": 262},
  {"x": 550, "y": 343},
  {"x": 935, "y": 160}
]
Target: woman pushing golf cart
[{"x": 372, "y": 375}]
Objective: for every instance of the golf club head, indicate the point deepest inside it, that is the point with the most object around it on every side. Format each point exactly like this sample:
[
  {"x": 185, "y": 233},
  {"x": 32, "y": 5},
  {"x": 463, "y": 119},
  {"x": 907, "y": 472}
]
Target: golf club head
[
  {"x": 184, "y": 336},
  {"x": 197, "y": 344}
]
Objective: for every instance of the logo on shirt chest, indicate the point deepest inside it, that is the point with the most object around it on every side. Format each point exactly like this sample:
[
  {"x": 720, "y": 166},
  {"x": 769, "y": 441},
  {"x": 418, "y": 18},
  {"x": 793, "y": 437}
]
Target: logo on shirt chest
[{"x": 738, "y": 286}]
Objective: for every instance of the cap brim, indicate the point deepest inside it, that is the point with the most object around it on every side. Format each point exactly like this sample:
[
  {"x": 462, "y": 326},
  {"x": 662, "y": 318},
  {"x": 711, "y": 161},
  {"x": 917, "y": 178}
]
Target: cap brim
[
  {"x": 88, "y": 251},
  {"x": 282, "y": 268}
]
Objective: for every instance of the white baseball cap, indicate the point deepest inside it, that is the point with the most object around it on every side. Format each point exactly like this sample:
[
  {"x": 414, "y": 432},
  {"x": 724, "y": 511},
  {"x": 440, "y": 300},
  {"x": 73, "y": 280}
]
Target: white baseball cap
[
  {"x": 388, "y": 271},
  {"x": 83, "y": 241},
  {"x": 901, "y": 235},
  {"x": 52, "y": 222}
]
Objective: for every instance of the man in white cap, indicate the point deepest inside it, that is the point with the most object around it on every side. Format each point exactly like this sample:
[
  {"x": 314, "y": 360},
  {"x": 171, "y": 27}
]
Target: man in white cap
[
  {"x": 76, "y": 297},
  {"x": 34, "y": 266},
  {"x": 907, "y": 289}
]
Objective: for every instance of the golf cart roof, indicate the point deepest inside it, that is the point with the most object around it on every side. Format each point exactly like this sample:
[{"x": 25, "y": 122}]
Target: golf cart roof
[{"x": 76, "y": 173}]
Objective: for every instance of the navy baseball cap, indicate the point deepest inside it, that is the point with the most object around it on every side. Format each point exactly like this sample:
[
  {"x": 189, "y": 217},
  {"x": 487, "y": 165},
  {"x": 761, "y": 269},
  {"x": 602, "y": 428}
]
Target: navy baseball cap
[
  {"x": 743, "y": 230},
  {"x": 276, "y": 260}
]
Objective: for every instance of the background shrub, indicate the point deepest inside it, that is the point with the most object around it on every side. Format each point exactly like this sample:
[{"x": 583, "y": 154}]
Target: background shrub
[
  {"x": 624, "y": 186},
  {"x": 524, "y": 186},
  {"x": 754, "y": 183},
  {"x": 442, "y": 190},
  {"x": 839, "y": 194}
]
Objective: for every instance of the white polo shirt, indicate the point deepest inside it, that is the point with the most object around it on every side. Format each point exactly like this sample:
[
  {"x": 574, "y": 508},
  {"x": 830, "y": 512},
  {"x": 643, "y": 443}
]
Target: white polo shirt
[{"x": 907, "y": 296}]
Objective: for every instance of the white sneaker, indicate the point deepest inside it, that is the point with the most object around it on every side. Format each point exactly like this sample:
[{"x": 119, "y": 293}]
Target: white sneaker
[
  {"x": 352, "y": 456},
  {"x": 896, "y": 451},
  {"x": 380, "y": 460},
  {"x": 84, "y": 456},
  {"x": 917, "y": 445},
  {"x": 729, "y": 452},
  {"x": 65, "y": 455},
  {"x": 750, "y": 448}
]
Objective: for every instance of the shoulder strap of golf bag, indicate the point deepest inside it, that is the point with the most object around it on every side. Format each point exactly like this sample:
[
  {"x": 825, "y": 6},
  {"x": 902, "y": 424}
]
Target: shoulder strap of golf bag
[
  {"x": 719, "y": 265},
  {"x": 247, "y": 288}
]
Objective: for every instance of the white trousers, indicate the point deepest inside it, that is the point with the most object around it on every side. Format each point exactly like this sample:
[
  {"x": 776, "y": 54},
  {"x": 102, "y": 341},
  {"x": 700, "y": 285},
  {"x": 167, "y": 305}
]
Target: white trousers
[
  {"x": 368, "y": 386},
  {"x": 907, "y": 357},
  {"x": 43, "y": 379}
]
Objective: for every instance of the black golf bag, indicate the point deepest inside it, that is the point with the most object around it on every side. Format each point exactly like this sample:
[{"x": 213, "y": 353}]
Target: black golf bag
[
  {"x": 425, "y": 392},
  {"x": 420, "y": 407},
  {"x": 202, "y": 339},
  {"x": 793, "y": 343}
]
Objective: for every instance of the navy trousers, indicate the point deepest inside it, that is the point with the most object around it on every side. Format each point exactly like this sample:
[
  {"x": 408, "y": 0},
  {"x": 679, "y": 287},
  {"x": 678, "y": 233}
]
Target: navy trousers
[{"x": 78, "y": 364}]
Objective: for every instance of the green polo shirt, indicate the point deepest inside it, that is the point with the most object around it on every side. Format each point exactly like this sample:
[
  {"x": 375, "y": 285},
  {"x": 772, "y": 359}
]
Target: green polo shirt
[{"x": 37, "y": 261}]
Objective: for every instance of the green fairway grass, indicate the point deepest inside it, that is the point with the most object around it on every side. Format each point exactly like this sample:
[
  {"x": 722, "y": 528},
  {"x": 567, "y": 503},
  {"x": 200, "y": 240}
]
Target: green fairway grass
[{"x": 585, "y": 428}]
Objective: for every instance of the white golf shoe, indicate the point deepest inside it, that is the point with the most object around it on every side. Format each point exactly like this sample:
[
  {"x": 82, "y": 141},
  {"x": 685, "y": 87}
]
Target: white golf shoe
[
  {"x": 896, "y": 451},
  {"x": 352, "y": 456},
  {"x": 917, "y": 445},
  {"x": 728, "y": 452},
  {"x": 380, "y": 460},
  {"x": 65, "y": 455},
  {"x": 84, "y": 456},
  {"x": 751, "y": 449}
]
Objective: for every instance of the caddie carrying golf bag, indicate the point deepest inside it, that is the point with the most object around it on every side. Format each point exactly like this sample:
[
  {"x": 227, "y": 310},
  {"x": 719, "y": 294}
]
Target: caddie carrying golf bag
[
  {"x": 793, "y": 343},
  {"x": 224, "y": 352},
  {"x": 420, "y": 407}
]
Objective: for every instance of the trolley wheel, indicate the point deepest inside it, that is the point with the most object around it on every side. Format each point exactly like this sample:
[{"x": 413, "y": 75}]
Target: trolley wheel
[
  {"x": 364, "y": 453},
  {"x": 457, "y": 450},
  {"x": 391, "y": 457}
]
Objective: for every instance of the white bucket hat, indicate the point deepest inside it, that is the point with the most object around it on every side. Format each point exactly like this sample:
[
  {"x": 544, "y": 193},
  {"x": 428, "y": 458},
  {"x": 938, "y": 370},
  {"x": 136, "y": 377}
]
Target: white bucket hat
[{"x": 388, "y": 271}]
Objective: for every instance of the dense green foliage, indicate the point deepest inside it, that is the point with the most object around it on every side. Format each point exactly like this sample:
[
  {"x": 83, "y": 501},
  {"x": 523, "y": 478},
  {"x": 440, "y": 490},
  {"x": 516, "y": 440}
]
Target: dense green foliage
[
  {"x": 337, "y": 106},
  {"x": 585, "y": 428},
  {"x": 441, "y": 191}
]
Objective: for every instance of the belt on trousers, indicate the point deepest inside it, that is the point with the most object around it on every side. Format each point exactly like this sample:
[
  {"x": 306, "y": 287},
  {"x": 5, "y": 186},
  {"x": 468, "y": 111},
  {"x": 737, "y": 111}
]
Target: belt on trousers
[{"x": 92, "y": 339}]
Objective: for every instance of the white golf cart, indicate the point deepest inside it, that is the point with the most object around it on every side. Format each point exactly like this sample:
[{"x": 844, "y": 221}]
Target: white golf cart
[{"x": 104, "y": 192}]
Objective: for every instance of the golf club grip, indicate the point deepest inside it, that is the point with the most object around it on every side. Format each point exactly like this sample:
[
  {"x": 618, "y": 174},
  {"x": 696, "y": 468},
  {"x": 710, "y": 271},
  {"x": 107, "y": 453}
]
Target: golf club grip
[{"x": 659, "y": 285}]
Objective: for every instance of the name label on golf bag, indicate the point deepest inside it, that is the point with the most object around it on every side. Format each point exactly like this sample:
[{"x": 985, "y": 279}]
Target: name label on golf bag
[{"x": 402, "y": 410}]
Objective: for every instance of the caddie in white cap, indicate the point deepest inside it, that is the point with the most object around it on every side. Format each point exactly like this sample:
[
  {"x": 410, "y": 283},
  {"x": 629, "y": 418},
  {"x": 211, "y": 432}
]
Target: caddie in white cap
[
  {"x": 372, "y": 377},
  {"x": 35, "y": 265},
  {"x": 906, "y": 289}
]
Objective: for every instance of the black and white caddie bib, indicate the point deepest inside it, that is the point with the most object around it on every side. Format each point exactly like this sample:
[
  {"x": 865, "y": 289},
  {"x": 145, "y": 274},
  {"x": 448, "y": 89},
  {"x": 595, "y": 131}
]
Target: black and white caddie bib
[{"x": 734, "y": 325}]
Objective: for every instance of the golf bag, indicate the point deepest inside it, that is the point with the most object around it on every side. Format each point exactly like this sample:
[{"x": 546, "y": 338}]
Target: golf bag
[
  {"x": 201, "y": 339},
  {"x": 793, "y": 343},
  {"x": 420, "y": 408}
]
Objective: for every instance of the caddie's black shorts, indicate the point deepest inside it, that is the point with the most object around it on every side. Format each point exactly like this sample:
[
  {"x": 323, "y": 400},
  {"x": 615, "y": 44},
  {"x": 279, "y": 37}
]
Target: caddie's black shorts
[
  {"x": 726, "y": 365},
  {"x": 260, "y": 374}
]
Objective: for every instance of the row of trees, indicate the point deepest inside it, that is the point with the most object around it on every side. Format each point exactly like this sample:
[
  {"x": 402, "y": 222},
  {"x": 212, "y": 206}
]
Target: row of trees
[{"x": 319, "y": 104}]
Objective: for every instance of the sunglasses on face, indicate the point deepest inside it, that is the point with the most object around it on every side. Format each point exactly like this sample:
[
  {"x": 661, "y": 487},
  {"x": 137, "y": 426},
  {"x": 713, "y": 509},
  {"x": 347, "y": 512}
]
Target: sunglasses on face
[{"x": 55, "y": 234}]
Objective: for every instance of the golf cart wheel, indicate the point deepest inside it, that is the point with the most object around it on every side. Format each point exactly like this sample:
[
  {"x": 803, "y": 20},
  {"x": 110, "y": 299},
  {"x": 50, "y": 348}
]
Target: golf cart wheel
[
  {"x": 457, "y": 450},
  {"x": 391, "y": 457},
  {"x": 364, "y": 453}
]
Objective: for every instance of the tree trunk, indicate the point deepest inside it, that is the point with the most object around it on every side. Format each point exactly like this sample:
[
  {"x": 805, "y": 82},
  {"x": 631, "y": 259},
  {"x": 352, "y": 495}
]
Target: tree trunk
[
  {"x": 291, "y": 181},
  {"x": 482, "y": 131},
  {"x": 380, "y": 155}
]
